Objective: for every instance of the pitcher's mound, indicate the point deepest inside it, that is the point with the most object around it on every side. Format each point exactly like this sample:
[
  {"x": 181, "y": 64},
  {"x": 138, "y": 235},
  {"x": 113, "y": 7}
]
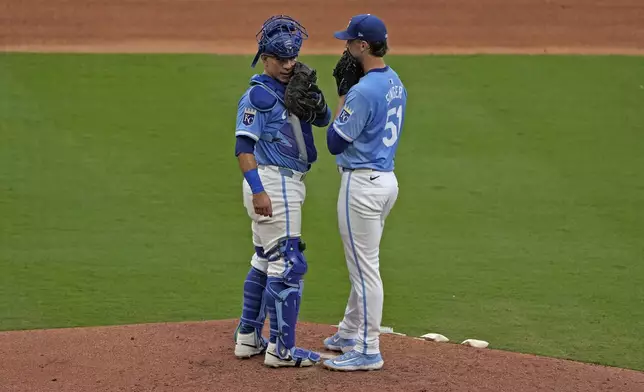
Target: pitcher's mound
[{"x": 198, "y": 356}]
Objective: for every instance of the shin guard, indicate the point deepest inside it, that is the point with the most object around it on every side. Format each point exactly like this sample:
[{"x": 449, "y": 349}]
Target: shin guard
[{"x": 283, "y": 295}]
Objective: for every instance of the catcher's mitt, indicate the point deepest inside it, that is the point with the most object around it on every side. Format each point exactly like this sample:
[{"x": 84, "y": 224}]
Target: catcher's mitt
[
  {"x": 347, "y": 72},
  {"x": 302, "y": 96}
]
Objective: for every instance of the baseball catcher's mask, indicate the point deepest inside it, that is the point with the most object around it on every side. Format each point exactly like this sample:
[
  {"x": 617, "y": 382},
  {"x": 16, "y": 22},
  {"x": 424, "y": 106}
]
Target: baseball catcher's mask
[{"x": 280, "y": 36}]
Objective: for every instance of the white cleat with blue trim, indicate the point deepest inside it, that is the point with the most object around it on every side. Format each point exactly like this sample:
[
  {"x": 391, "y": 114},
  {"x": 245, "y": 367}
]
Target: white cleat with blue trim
[
  {"x": 299, "y": 358},
  {"x": 336, "y": 343},
  {"x": 353, "y": 360}
]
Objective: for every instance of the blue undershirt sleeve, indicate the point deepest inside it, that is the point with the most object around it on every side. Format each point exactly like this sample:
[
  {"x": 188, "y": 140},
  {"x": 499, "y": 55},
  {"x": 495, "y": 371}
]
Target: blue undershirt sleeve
[
  {"x": 335, "y": 143},
  {"x": 244, "y": 144}
]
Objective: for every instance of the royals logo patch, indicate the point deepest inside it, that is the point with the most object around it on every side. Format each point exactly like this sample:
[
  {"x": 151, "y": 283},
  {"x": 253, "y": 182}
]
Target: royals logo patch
[
  {"x": 344, "y": 115},
  {"x": 249, "y": 116}
]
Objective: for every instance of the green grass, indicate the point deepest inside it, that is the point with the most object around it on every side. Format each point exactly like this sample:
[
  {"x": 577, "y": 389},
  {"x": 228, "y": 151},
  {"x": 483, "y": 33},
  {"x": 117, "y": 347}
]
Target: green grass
[{"x": 520, "y": 218}]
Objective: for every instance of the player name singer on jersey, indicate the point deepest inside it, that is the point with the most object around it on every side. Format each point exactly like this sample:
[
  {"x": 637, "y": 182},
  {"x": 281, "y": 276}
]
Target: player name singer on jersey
[{"x": 394, "y": 92}]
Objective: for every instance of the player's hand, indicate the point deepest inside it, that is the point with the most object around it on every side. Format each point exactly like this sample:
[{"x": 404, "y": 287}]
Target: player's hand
[{"x": 262, "y": 204}]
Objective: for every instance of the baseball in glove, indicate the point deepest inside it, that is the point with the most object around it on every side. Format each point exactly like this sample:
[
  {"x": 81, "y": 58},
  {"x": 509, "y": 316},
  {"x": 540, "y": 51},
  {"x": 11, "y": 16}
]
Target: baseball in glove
[
  {"x": 347, "y": 72},
  {"x": 302, "y": 96}
]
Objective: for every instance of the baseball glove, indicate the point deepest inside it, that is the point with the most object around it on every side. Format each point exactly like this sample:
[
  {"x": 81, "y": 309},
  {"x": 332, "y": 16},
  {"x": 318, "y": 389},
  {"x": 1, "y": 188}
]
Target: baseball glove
[
  {"x": 347, "y": 72},
  {"x": 302, "y": 96}
]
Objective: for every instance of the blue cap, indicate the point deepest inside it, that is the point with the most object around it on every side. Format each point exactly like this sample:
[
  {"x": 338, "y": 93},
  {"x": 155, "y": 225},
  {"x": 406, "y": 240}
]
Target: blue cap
[{"x": 365, "y": 27}]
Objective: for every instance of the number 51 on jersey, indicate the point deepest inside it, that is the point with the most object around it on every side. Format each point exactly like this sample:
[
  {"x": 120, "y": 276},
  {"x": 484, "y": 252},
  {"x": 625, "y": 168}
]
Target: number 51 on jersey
[{"x": 393, "y": 125}]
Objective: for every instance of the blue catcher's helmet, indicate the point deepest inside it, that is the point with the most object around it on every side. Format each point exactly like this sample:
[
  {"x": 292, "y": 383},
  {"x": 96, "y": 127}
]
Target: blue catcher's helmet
[{"x": 280, "y": 36}]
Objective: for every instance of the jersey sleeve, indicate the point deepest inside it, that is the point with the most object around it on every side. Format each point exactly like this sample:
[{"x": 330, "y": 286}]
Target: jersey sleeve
[
  {"x": 353, "y": 117},
  {"x": 250, "y": 121}
]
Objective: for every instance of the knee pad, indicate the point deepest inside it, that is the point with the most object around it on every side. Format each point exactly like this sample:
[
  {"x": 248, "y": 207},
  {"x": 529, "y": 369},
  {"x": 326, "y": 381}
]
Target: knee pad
[
  {"x": 296, "y": 266},
  {"x": 289, "y": 251}
]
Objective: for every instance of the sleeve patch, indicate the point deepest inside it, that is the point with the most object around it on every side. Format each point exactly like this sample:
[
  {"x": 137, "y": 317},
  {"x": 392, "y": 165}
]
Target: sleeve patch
[
  {"x": 343, "y": 118},
  {"x": 249, "y": 116}
]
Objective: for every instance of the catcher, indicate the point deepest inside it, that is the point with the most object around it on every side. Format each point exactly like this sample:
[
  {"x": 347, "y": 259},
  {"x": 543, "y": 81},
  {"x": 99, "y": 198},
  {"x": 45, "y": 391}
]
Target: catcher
[{"x": 275, "y": 149}]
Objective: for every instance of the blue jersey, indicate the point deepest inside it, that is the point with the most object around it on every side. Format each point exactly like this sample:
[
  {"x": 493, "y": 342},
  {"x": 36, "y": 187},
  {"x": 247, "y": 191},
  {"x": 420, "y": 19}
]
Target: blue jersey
[
  {"x": 372, "y": 120},
  {"x": 281, "y": 140}
]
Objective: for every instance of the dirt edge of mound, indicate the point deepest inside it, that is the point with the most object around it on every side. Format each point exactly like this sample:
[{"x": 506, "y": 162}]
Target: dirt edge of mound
[{"x": 198, "y": 355}]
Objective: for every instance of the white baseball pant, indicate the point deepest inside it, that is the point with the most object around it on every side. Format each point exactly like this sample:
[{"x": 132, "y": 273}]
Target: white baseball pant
[
  {"x": 365, "y": 199},
  {"x": 287, "y": 192}
]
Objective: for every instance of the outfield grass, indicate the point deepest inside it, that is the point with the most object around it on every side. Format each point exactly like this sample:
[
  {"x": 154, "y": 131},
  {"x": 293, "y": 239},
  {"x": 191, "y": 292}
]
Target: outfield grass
[{"x": 520, "y": 218}]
